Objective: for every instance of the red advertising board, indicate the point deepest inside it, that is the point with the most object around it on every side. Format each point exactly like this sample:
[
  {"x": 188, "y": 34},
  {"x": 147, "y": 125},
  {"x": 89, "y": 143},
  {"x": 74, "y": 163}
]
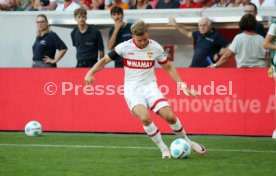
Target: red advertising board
[{"x": 231, "y": 101}]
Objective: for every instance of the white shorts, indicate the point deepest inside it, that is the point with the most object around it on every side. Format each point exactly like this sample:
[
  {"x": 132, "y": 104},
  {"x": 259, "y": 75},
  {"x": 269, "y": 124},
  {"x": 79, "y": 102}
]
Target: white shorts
[{"x": 148, "y": 95}]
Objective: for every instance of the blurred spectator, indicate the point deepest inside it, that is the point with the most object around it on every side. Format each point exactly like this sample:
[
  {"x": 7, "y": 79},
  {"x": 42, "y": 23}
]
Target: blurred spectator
[
  {"x": 190, "y": 4},
  {"x": 92, "y": 4},
  {"x": 247, "y": 46},
  {"x": 108, "y": 3},
  {"x": 44, "y": 5},
  {"x": 87, "y": 40},
  {"x": 68, "y": 5},
  {"x": 264, "y": 3},
  {"x": 87, "y": 4},
  {"x": 205, "y": 3},
  {"x": 3, "y": 5},
  {"x": 26, "y": 5},
  {"x": 233, "y": 3},
  {"x": 243, "y": 2},
  {"x": 270, "y": 44},
  {"x": 251, "y": 8},
  {"x": 119, "y": 3},
  {"x": 119, "y": 33},
  {"x": 153, "y": 3},
  {"x": 12, "y": 6},
  {"x": 141, "y": 4},
  {"x": 167, "y": 4},
  {"x": 226, "y": 3},
  {"x": 208, "y": 43},
  {"x": 46, "y": 44}
]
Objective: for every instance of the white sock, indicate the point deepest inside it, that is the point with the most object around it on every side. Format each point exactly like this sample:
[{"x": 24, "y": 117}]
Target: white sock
[
  {"x": 179, "y": 130},
  {"x": 155, "y": 136}
]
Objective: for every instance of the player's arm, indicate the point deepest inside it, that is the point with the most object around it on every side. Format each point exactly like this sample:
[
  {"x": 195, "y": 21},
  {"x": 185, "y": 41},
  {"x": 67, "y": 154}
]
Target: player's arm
[
  {"x": 175, "y": 76},
  {"x": 181, "y": 29},
  {"x": 89, "y": 78}
]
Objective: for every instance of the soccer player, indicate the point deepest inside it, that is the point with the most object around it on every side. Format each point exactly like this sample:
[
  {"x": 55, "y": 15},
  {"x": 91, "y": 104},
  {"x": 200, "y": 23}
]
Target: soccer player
[{"x": 141, "y": 91}]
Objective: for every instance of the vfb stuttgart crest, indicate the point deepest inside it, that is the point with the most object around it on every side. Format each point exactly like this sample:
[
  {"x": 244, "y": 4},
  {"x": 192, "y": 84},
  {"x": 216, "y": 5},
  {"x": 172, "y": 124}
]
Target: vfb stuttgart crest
[{"x": 150, "y": 55}]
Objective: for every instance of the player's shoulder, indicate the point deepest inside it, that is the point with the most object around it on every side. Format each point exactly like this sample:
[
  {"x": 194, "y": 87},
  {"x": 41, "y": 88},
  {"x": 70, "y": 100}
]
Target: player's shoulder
[
  {"x": 126, "y": 43},
  {"x": 155, "y": 44}
]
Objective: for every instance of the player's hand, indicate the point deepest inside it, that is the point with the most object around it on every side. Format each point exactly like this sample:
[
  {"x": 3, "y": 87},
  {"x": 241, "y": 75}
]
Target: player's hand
[
  {"x": 89, "y": 79},
  {"x": 186, "y": 90},
  {"x": 172, "y": 21},
  {"x": 48, "y": 60},
  {"x": 270, "y": 71}
]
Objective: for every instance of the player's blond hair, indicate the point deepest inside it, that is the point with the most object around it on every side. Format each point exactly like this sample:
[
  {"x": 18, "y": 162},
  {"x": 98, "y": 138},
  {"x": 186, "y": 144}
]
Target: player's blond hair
[{"x": 139, "y": 28}]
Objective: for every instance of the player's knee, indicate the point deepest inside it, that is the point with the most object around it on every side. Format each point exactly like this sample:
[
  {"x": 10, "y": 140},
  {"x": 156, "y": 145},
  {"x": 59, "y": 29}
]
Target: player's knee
[
  {"x": 146, "y": 120},
  {"x": 170, "y": 118},
  {"x": 167, "y": 115}
]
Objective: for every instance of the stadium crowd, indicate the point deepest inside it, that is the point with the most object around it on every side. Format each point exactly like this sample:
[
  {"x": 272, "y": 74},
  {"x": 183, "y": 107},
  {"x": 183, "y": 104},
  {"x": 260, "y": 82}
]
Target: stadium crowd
[{"x": 71, "y": 5}]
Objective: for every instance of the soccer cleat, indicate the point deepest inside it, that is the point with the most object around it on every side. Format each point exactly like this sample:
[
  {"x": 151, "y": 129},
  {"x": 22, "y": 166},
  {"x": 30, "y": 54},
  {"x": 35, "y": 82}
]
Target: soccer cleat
[
  {"x": 198, "y": 148},
  {"x": 166, "y": 154}
]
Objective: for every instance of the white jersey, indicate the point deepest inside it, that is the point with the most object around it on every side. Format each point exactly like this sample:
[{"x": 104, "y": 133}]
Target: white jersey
[{"x": 139, "y": 62}]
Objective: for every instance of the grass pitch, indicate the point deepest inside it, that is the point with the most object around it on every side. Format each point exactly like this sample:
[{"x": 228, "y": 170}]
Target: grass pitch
[{"x": 77, "y": 154}]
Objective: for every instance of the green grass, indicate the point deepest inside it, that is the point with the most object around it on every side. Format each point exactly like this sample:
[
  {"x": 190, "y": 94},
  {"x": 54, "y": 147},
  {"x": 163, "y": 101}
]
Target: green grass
[{"x": 77, "y": 154}]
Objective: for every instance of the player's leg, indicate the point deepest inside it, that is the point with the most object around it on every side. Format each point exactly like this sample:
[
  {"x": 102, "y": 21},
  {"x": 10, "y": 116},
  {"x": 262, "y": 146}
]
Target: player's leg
[
  {"x": 151, "y": 129},
  {"x": 175, "y": 124}
]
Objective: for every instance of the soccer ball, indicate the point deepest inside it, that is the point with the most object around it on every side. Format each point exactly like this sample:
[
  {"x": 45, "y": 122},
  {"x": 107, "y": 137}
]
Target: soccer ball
[
  {"x": 180, "y": 149},
  {"x": 33, "y": 128}
]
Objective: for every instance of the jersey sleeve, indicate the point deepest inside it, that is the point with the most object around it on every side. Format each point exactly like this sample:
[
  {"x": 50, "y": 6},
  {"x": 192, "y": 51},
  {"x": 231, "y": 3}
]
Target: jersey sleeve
[
  {"x": 113, "y": 55},
  {"x": 161, "y": 56},
  {"x": 120, "y": 48},
  {"x": 117, "y": 53}
]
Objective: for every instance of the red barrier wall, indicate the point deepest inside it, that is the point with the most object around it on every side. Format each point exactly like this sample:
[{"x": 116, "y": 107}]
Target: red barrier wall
[{"x": 232, "y": 101}]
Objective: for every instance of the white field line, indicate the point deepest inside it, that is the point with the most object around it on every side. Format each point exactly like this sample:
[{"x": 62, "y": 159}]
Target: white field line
[{"x": 126, "y": 147}]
